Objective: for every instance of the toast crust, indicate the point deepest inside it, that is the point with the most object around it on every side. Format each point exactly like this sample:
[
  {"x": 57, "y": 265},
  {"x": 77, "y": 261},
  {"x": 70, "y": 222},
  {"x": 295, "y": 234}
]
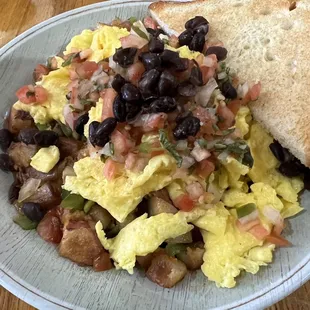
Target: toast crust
[{"x": 266, "y": 42}]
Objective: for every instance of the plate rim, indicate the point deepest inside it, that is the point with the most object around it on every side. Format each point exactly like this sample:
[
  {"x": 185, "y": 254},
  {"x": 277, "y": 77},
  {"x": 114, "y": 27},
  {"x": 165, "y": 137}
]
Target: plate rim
[{"x": 261, "y": 299}]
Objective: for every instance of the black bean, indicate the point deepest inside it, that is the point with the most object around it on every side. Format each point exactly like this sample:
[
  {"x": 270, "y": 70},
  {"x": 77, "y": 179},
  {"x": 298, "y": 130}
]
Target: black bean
[
  {"x": 118, "y": 82},
  {"x": 290, "y": 169},
  {"x": 155, "y": 32},
  {"x": 26, "y": 135},
  {"x": 68, "y": 96},
  {"x": 13, "y": 192},
  {"x": 248, "y": 159},
  {"x": 167, "y": 84},
  {"x": 148, "y": 84},
  {"x": 219, "y": 51},
  {"x": 5, "y": 139},
  {"x": 130, "y": 93},
  {"x": 196, "y": 76},
  {"x": 188, "y": 127},
  {"x": 307, "y": 179},
  {"x": 119, "y": 109},
  {"x": 93, "y": 126},
  {"x": 80, "y": 123},
  {"x": 46, "y": 138},
  {"x": 228, "y": 90},
  {"x": 150, "y": 61},
  {"x": 203, "y": 28},
  {"x": 171, "y": 59},
  {"x": 125, "y": 56},
  {"x": 6, "y": 163},
  {"x": 187, "y": 89},
  {"x": 156, "y": 45},
  {"x": 198, "y": 42},
  {"x": 277, "y": 150},
  {"x": 195, "y": 22},
  {"x": 186, "y": 37},
  {"x": 33, "y": 211},
  {"x": 163, "y": 104},
  {"x": 104, "y": 131},
  {"x": 132, "y": 110}
]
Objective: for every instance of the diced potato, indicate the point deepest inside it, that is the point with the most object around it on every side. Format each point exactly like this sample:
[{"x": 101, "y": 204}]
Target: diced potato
[
  {"x": 158, "y": 205},
  {"x": 99, "y": 214},
  {"x": 192, "y": 257},
  {"x": 166, "y": 271},
  {"x": 145, "y": 261},
  {"x": 21, "y": 154}
]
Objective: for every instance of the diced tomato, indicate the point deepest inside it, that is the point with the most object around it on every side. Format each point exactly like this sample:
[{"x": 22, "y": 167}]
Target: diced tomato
[
  {"x": 227, "y": 117},
  {"x": 184, "y": 203},
  {"x": 154, "y": 121},
  {"x": 39, "y": 71},
  {"x": 207, "y": 73},
  {"x": 122, "y": 142},
  {"x": 50, "y": 228},
  {"x": 174, "y": 41},
  {"x": 247, "y": 226},
  {"x": 40, "y": 94},
  {"x": 30, "y": 94},
  {"x": 277, "y": 240},
  {"x": 110, "y": 169},
  {"x": 102, "y": 262},
  {"x": 26, "y": 94},
  {"x": 259, "y": 232},
  {"x": 133, "y": 40},
  {"x": 235, "y": 105},
  {"x": 205, "y": 168},
  {"x": 149, "y": 22},
  {"x": 130, "y": 161},
  {"x": 255, "y": 91},
  {"x": 108, "y": 100},
  {"x": 86, "y": 69},
  {"x": 135, "y": 72}
]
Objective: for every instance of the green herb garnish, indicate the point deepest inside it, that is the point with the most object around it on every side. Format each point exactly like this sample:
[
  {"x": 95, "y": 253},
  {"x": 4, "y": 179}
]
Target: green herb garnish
[
  {"x": 86, "y": 101},
  {"x": 65, "y": 129},
  {"x": 166, "y": 144},
  {"x": 132, "y": 20},
  {"x": 175, "y": 249},
  {"x": 228, "y": 131},
  {"x": 245, "y": 210},
  {"x": 203, "y": 143},
  {"x": 144, "y": 147},
  {"x": 24, "y": 222},
  {"x": 69, "y": 60}
]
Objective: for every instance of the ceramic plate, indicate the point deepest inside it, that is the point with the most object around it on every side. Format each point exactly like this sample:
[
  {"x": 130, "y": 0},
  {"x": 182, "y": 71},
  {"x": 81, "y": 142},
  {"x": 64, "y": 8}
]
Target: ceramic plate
[{"x": 31, "y": 268}]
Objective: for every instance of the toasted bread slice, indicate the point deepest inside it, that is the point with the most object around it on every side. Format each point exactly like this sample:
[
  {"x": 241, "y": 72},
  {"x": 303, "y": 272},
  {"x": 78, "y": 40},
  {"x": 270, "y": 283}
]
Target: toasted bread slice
[{"x": 267, "y": 40}]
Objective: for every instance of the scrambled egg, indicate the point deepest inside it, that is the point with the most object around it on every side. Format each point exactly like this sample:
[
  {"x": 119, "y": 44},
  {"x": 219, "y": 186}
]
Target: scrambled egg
[
  {"x": 184, "y": 51},
  {"x": 102, "y": 42},
  {"x": 121, "y": 195},
  {"x": 142, "y": 236},
  {"x": 229, "y": 253},
  {"x": 45, "y": 159},
  {"x": 55, "y": 83},
  {"x": 265, "y": 164},
  {"x": 243, "y": 119}
]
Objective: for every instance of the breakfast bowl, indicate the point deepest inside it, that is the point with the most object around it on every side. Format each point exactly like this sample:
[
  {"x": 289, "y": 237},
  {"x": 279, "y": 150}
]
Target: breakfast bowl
[{"x": 32, "y": 269}]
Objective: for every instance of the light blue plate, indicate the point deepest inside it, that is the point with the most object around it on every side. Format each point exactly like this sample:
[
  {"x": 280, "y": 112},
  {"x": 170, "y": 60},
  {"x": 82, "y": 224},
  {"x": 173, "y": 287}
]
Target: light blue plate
[{"x": 32, "y": 269}]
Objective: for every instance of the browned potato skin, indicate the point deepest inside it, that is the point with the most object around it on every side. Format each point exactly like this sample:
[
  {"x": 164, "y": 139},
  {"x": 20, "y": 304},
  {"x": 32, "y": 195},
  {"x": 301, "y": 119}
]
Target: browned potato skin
[
  {"x": 69, "y": 147},
  {"x": 21, "y": 154},
  {"x": 166, "y": 271},
  {"x": 102, "y": 262},
  {"x": 193, "y": 258},
  {"x": 80, "y": 245},
  {"x": 18, "y": 120},
  {"x": 146, "y": 261}
]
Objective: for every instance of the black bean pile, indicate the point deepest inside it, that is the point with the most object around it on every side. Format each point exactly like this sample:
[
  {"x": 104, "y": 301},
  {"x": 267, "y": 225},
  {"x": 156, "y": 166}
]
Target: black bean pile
[{"x": 290, "y": 166}]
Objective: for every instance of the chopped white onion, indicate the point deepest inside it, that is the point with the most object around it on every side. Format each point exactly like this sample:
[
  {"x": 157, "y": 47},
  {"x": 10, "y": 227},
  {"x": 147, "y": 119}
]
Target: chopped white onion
[
  {"x": 208, "y": 62},
  {"x": 223, "y": 156},
  {"x": 205, "y": 92},
  {"x": 181, "y": 145},
  {"x": 242, "y": 90},
  {"x": 195, "y": 190},
  {"x": 141, "y": 26},
  {"x": 187, "y": 161},
  {"x": 86, "y": 53},
  {"x": 248, "y": 218},
  {"x": 163, "y": 37},
  {"x": 28, "y": 189},
  {"x": 222, "y": 75},
  {"x": 229, "y": 141},
  {"x": 68, "y": 171},
  {"x": 199, "y": 153},
  {"x": 106, "y": 150},
  {"x": 218, "y": 193},
  {"x": 272, "y": 214}
]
